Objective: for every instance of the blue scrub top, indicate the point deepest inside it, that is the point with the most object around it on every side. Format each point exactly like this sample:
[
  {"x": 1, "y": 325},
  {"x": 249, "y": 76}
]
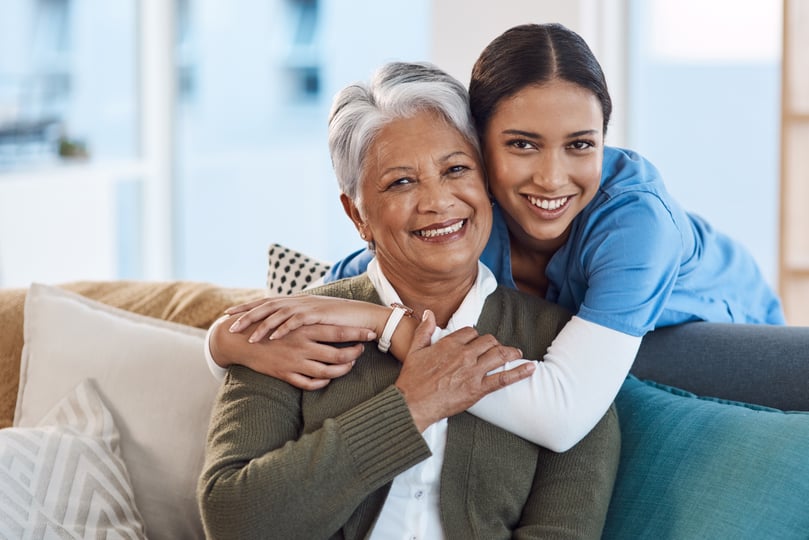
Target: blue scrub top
[{"x": 635, "y": 260}]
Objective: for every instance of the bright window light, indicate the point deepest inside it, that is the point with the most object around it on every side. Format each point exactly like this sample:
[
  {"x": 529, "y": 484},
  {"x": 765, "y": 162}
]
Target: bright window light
[{"x": 716, "y": 31}]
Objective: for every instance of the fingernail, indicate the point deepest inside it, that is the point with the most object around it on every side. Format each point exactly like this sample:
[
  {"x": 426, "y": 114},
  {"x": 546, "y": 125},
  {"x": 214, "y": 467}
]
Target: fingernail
[
  {"x": 234, "y": 327},
  {"x": 371, "y": 336},
  {"x": 424, "y": 315},
  {"x": 272, "y": 336},
  {"x": 251, "y": 339}
]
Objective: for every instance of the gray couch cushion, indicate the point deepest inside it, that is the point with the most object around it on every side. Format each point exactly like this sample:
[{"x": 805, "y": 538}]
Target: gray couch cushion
[{"x": 766, "y": 365}]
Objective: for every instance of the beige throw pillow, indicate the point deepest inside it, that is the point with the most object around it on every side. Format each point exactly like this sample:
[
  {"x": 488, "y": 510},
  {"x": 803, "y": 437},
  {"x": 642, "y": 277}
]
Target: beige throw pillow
[{"x": 153, "y": 377}]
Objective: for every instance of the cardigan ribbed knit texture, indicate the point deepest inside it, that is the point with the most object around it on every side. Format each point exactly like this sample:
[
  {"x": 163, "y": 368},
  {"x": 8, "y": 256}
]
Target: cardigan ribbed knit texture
[{"x": 285, "y": 463}]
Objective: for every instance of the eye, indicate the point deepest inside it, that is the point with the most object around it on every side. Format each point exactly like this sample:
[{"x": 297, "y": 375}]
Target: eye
[
  {"x": 520, "y": 144},
  {"x": 457, "y": 170},
  {"x": 404, "y": 181},
  {"x": 581, "y": 144}
]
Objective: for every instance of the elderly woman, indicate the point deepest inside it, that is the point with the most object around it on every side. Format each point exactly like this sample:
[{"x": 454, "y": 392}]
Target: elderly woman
[{"x": 387, "y": 450}]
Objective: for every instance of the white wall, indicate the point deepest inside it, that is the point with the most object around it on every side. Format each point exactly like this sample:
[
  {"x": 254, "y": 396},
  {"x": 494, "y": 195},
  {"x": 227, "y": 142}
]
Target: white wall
[{"x": 44, "y": 238}]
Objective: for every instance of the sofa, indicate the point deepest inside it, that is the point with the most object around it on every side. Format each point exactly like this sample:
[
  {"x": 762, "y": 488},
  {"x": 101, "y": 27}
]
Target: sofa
[{"x": 105, "y": 399}]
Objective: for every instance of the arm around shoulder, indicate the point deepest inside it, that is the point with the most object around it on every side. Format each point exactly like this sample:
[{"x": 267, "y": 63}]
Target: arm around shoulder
[{"x": 570, "y": 389}]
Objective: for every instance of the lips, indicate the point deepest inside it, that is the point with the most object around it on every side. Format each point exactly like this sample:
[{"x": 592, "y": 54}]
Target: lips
[
  {"x": 438, "y": 232},
  {"x": 548, "y": 204}
]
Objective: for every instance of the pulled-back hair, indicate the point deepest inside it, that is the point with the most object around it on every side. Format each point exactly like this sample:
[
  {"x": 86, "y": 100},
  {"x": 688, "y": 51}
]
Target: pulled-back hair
[
  {"x": 397, "y": 90},
  {"x": 531, "y": 55}
]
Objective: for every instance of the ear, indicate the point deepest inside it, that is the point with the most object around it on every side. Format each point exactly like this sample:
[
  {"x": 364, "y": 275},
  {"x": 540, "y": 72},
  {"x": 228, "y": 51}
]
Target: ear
[{"x": 354, "y": 215}]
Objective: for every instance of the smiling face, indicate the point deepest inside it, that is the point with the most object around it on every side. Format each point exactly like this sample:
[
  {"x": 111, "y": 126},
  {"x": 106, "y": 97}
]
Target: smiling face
[
  {"x": 544, "y": 150},
  {"x": 422, "y": 201}
]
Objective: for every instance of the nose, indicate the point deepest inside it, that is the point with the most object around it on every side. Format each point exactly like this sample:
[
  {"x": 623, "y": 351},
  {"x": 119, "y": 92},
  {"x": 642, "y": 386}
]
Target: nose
[
  {"x": 549, "y": 173},
  {"x": 436, "y": 196}
]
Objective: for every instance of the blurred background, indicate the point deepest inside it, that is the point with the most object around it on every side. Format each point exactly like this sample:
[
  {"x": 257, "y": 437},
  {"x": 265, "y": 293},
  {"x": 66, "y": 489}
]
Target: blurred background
[{"x": 176, "y": 139}]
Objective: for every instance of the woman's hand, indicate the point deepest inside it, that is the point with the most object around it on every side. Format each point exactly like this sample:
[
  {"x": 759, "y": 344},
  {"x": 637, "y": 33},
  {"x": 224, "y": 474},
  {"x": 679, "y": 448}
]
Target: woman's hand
[
  {"x": 307, "y": 358},
  {"x": 446, "y": 378},
  {"x": 276, "y": 317}
]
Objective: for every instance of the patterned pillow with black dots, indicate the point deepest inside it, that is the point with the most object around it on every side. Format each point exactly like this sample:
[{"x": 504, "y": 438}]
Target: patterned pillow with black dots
[{"x": 290, "y": 271}]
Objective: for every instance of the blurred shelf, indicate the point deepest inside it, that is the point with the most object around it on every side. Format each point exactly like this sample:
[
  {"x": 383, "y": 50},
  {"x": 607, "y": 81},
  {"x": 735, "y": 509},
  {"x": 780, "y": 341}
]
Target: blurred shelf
[{"x": 67, "y": 171}]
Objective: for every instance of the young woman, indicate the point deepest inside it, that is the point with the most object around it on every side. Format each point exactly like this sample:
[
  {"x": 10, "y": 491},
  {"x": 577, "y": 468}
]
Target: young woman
[{"x": 586, "y": 226}]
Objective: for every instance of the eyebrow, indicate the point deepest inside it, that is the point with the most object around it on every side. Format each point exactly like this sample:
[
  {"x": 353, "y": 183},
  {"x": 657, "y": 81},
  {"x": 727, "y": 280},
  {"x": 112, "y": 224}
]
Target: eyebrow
[
  {"x": 442, "y": 159},
  {"x": 454, "y": 154},
  {"x": 533, "y": 135},
  {"x": 397, "y": 169}
]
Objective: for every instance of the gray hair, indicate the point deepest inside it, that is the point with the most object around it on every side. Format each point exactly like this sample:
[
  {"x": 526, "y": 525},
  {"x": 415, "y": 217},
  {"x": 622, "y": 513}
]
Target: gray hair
[{"x": 397, "y": 90}]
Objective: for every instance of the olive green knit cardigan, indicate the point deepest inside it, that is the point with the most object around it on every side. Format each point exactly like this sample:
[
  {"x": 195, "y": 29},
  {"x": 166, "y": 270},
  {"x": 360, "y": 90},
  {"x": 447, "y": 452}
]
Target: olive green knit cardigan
[{"x": 284, "y": 463}]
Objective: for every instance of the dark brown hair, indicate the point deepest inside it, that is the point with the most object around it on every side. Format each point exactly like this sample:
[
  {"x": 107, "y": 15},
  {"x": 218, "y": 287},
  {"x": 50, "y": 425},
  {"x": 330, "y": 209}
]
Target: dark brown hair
[{"x": 533, "y": 54}]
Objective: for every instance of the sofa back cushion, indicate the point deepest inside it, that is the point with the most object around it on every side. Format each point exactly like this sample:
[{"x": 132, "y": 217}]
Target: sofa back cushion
[
  {"x": 11, "y": 309},
  {"x": 696, "y": 467},
  {"x": 186, "y": 302},
  {"x": 154, "y": 379}
]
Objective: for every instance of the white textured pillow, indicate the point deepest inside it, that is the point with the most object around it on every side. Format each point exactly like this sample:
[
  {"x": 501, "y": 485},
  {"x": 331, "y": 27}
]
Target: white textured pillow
[
  {"x": 153, "y": 377},
  {"x": 65, "y": 478}
]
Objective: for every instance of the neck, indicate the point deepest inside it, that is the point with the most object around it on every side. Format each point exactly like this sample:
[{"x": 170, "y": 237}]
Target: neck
[
  {"x": 530, "y": 257},
  {"x": 441, "y": 296},
  {"x": 528, "y": 269}
]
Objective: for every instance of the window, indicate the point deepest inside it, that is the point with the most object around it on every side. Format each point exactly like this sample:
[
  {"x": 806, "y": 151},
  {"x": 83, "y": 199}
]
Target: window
[
  {"x": 705, "y": 89},
  {"x": 252, "y": 158},
  {"x": 69, "y": 163},
  {"x": 52, "y": 106}
]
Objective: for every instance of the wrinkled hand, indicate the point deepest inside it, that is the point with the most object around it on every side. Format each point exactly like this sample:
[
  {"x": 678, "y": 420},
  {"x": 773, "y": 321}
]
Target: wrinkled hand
[
  {"x": 446, "y": 378},
  {"x": 306, "y": 357},
  {"x": 276, "y": 317}
]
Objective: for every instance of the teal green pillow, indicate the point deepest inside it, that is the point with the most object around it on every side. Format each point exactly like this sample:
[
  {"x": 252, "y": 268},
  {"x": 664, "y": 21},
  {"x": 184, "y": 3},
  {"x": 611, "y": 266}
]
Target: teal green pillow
[{"x": 695, "y": 467}]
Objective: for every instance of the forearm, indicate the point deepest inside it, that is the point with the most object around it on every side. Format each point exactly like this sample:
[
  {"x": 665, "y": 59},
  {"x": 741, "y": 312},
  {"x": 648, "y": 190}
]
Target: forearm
[
  {"x": 402, "y": 337},
  {"x": 247, "y": 491},
  {"x": 224, "y": 348},
  {"x": 216, "y": 364},
  {"x": 570, "y": 390}
]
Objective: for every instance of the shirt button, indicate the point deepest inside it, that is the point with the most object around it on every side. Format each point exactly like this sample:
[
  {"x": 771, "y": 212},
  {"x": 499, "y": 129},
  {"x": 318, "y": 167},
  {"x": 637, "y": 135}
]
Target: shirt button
[{"x": 418, "y": 495}]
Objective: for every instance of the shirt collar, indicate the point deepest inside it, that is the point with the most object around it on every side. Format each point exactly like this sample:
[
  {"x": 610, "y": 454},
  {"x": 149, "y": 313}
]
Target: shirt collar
[{"x": 467, "y": 313}]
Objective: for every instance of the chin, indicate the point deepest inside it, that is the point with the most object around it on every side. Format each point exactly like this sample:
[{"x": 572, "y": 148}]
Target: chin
[{"x": 450, "y": 263}]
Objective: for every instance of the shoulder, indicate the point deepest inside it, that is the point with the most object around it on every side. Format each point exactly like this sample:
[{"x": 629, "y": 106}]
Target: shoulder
[
  {"x": 625, "y": 172},
  {"x": 523, "y": 319},
  {"x": 506, "y": 297},
  {"x": 621, "y": 164},
  {"x": 632, "y": 197}
]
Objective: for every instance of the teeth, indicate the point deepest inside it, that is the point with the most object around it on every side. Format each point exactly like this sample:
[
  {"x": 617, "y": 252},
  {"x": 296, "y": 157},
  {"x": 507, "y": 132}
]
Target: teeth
[
  {"x": 432, "y": 233},
  {"x": 547, "y": 204}
]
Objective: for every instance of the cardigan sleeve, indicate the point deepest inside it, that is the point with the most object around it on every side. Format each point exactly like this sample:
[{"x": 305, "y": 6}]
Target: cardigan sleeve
[
  {"x": 571, "y": 491},
  {"x": 263, "y": 477}
]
